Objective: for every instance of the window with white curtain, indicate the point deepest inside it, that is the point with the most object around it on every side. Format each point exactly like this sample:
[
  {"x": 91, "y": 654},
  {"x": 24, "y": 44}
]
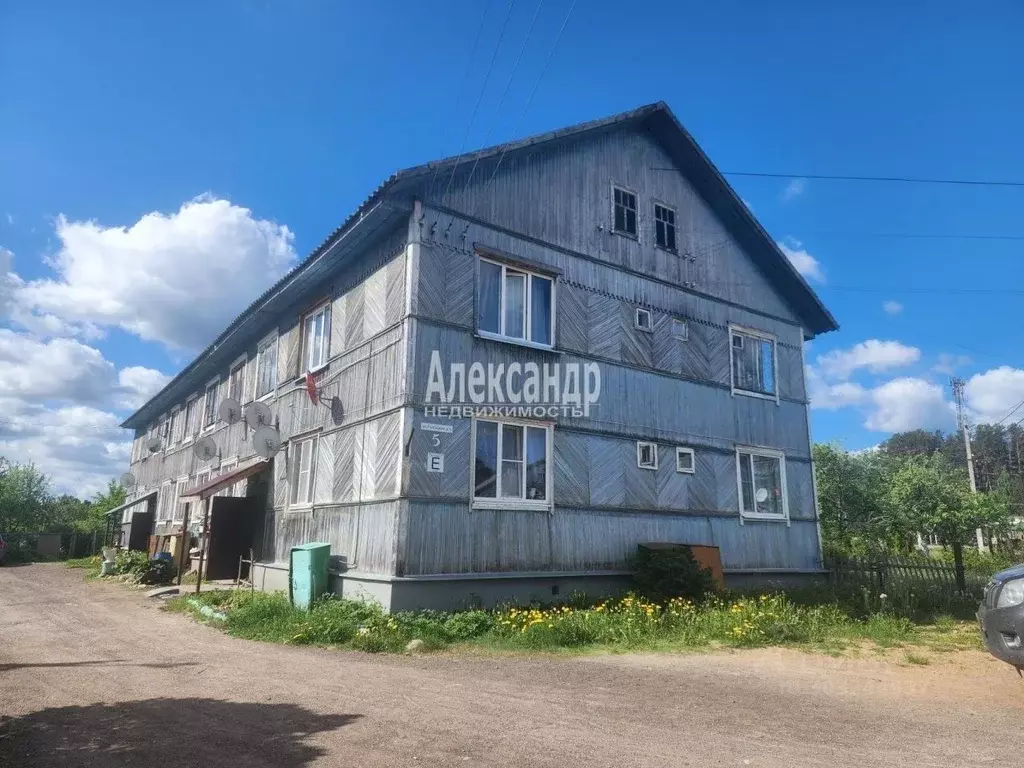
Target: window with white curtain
[
  {"x": 511, "y": 464},
  {"x": 266, "y": 366},
  {"x": 516, "y": 304},
  {"x": 316, "y": 337},
  {"x": 302, "y": 458}
]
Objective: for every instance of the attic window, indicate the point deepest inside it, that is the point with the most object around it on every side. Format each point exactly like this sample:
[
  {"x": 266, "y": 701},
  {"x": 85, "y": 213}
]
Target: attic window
[
  {"x": 646, "y": 455},
  {"x": 665, "y": 227},
  {"x": 680, "y": 330},
  {"x": 625, "y": 212},
  {"x": 684, "y": 460},
  {"x": 642, "y": 320},
  {"x": 753, "y": 363}
]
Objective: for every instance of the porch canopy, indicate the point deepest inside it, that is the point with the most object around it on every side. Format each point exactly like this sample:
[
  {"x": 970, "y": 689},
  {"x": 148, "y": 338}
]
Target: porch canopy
[
  {"x": 132, "y": 503},
  {"x": 222, "y": 481}
]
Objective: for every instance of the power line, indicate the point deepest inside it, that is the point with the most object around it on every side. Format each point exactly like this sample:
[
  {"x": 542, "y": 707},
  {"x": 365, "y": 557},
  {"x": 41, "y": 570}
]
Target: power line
[
  {"x": 533, "y": 92},
  {"x": 898, "y": 179},
  {"x": 483, "y": 88},
  {"x": 911, "y": 235},
  {"x": 501, "y": 100},
  {"x": 465, "y": 79},
  {"x": 1015, "y": 409}
]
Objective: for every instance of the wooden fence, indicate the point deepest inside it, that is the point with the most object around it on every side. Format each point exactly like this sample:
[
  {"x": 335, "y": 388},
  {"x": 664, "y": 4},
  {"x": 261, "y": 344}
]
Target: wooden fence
[
  {"x": 892, "y": 572},
  {"x": 26, "y": 547}
]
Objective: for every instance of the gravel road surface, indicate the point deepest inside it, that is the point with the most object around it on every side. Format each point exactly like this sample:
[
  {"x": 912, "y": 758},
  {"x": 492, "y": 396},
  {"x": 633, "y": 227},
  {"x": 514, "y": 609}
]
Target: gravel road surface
[{"x": 93, "y": 674}]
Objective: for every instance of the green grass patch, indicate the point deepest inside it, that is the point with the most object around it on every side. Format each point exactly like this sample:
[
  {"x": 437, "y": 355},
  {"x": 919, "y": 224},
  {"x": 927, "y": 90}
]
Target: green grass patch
[
  {"x": 629, "y": 623},
  {"x": 92, "y": 563}
]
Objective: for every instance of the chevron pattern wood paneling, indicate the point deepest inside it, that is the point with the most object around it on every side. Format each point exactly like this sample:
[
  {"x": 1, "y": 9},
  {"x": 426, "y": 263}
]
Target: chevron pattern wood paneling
[
  {"x": 636, "y": 345},
  {"x": 323, "y": 489},
  {"x": 343, "y": 476},
  {"x": 695, "y": 358},
  {"x": 355, "y": 309},
  {"x": 430, "y": 293},
  {"x": 791, "y": 371},
  {"x": 673, "y": 487},
  {"x": 375, "y": 290},
  {"x": 572, "y": 468},
  {"x": 339, "y": 322},
  {"x": 389, "y": 434},
  {"x": 368, "y": 464},
  {"x": 288, "y": 355},
  {"x": 605, "y": 324},
  {"x": 703, "y": 484},
  {"x": 394, "y": 304},
  {"x": 461, "y": 288},
  {"x": 608, "y": 462},
  {"x": 572, "y": 318},
  {"x": 667, "y": 352},
  {"x": 718, "y": 356}
]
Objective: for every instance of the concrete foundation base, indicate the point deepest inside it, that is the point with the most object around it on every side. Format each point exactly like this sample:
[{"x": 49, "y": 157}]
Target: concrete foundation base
[{"x": 458, "y": 592}]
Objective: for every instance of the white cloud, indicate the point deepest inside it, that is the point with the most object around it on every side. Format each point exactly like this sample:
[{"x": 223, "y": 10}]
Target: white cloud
[
  {"x": 794, "y": 189},
  {"x": 805, "y": 263},
  {"x": 178, "y": 279},
  {"x": 993, "y": 394},
  {"x": 36, "y": 371},
  {"x": 874, "y": 355},
  {"x": 79, "y": 447},
  {"x": 138, "y": 384},
  {"x": 831, "y": 397},
  {"x": 892, "y": 307},
  {"x": 908, "y": 403},
  {"x": 948, "y": 364}
]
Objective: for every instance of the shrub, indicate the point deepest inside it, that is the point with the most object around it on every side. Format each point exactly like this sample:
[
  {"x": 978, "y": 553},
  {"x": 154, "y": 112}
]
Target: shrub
[
  {"x": 158, "y": 572},
  {"x": 131, "y": 562},
  {"x": 662, "y": 574}
]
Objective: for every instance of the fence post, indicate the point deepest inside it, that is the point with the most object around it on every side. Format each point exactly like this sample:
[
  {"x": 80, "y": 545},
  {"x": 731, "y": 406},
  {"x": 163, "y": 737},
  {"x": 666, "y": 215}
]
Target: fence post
[{"x": 94, "y": 550}]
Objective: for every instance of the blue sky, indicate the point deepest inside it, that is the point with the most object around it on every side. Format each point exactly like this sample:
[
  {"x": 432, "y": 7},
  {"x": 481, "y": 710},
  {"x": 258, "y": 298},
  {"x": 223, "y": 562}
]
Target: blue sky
[{"x": 286, "y": 115}]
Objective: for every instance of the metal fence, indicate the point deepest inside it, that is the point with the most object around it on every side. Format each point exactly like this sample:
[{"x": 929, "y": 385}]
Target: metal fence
[{"x": 27, "y": 547}]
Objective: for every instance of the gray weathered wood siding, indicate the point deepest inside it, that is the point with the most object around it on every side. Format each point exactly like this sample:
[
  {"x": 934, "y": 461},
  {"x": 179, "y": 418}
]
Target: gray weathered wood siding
[
  {"x": 561, "y": 193},
  {"x": 358, "y": 467},
  {"x": 450, "y": 538}
]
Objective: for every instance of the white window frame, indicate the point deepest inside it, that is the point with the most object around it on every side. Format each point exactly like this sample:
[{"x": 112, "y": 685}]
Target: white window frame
[
  {"x": 189, "y": 434},
  {"x": 324, "y": 308},
  {"x": 225, "y": 467},
  {"x": 295, "y": 452},
  {"x": 636, "y": 212},
  {"x": 177, "y": 428},
  {"x": 163, "y": 430},
  {"x": 656, "y": 204},
  {"x": 751, "y": 451},
  {"x": 512, "y": 502},
  {"x": 739, "y": 330},
  {"x": 165, "y": 505},
  {"x": 238, "y": 363},
  {"x": 180, "y": 487},
  {"x": 684, "y": 451},
  {"x": 265, "y": 343},
  {"x": 685, "y": 334},
  {"x": 640, "y": 445},
  {"x": 639, "y": 311},
  {"x": 203, "y": 425},
  {"x": 531, "y": 275}
]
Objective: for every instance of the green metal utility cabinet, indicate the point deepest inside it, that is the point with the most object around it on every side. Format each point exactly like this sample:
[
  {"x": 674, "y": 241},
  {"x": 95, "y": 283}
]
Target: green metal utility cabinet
[{"x": 307, "y": 573}]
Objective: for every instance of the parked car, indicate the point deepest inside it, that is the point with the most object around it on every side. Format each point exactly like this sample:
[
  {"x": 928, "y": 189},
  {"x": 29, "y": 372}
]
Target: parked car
[
  {"x": 3, "y": 550},
  {"x": 1001, "y": 616}
]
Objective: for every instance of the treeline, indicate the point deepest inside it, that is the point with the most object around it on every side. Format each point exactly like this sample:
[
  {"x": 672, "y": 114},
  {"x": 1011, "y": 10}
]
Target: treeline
[
  {"x": 917, "y": 483},
  {"x": 29, "y": 505}
]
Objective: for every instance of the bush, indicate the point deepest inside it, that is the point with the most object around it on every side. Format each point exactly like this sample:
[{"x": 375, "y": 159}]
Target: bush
[
  {"x": 131, "y": 562},
  {"x": 158, "y": 572},
  {"x": 663, "y": 574}
]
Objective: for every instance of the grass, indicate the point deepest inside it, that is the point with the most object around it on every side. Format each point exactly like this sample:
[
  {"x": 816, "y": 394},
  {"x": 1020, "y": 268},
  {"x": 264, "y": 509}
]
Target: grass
[
  {"x": 629, "y": 623},
  {"x": 92, "y": 562}
]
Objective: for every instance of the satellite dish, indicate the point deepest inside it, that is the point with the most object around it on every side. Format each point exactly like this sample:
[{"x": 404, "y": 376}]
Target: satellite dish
[
  {"x": 257, "y": 415},
  {"x": 761, "y": 495},
  {"x": 337, "y": 410},
  {"x": 230, "y": 411},
  {"x": 154, "y": 444},
  {"x": 205, "y": 449},
  {"x": 266, "y": 441},
  {"x": 127, "y": 481}
]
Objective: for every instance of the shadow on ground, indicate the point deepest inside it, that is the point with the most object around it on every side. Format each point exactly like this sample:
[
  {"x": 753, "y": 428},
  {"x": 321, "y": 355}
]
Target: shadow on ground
[{"x": 166, "y": 733}]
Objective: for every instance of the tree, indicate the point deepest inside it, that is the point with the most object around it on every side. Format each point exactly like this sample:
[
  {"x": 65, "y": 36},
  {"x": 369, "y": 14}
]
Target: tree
[
  {"x": 917, "y": 442},
  {"x": 927, "y": 495},
  {"x": 24, "y": 493},
  {"x": 95, "y": 518},
  {"x": 851, "y": 499}
]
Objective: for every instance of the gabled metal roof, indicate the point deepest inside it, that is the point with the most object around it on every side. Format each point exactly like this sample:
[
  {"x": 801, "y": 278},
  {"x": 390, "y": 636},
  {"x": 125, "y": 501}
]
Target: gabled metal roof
[{"x": 391, "y": 200}]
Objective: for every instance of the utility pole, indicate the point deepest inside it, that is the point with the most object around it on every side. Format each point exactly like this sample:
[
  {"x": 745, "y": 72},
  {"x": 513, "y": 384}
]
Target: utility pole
[{"x": 961, "y": 421}]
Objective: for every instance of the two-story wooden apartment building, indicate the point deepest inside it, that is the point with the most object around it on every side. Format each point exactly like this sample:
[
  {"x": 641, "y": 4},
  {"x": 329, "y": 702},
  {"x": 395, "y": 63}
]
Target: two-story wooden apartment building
[{"x": 608, "y": 265}]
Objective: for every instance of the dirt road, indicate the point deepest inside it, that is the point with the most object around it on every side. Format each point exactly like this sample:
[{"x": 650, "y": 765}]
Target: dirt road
[{"x": 94, "y": 675}]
